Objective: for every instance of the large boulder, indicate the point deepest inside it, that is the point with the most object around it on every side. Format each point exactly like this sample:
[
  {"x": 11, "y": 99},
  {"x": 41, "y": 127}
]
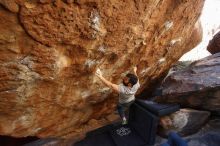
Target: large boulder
[
  {"x": 185, "y": 122},
  {"x": 50, "y": 49},
  {"x": 214, "y": 44},
  {"x": 197, "y": 86}
]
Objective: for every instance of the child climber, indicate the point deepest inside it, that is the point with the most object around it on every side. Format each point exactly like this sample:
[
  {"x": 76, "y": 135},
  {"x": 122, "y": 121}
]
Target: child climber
[{"x": 126, "y": 91}]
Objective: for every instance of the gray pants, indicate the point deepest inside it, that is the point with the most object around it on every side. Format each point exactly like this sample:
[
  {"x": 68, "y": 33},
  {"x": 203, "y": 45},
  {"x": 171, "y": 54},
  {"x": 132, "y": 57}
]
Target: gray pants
[{"x": 123, "y": 109}]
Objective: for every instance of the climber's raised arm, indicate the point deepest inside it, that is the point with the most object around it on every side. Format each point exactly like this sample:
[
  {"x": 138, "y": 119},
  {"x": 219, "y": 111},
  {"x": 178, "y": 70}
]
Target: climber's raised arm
[
  {"x": 106, "y": 82},
  {"x": 135, "y": 71}
]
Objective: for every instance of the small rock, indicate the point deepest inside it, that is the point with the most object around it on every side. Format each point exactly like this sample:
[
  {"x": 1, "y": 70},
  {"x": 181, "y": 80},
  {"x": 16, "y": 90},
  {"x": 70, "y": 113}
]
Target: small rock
[
  {"x": 186, "y": 122},
  {"x": 214, "y": 44}
]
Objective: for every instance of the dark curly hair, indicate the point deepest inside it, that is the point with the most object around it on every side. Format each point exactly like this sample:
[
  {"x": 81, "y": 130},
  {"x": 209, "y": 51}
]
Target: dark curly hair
[{"x": 132, "y": 78}]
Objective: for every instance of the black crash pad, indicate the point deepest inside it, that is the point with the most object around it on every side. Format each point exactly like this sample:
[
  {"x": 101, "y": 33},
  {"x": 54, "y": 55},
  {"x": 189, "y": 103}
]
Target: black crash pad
[
  {"x": 140, "y": 130},
  {"x": 103, "y": 139},
  {"x": 157, "y": 108},
  {"x": 102, "y": 129},
  {"x": 126, "y": 136},
  {"x": 144, "y": 122}
]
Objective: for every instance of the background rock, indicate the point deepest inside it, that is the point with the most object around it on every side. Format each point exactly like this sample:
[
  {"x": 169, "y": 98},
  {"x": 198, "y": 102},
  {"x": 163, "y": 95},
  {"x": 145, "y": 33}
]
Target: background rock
[
  {"x": 214, "y": 44},
  {"x": 50, "y": 49},
  {"x": 194, "y": 121},
  {"x": 209, "y": 139},
  {"x": 207, "y": 136},
  {"x": 197, "y": 86}
]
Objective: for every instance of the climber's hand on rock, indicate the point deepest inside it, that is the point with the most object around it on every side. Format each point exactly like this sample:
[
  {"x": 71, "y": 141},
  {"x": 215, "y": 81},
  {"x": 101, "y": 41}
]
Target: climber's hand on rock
[
  {"x": 98, "y": 73},
  {"x": 135, "y": 69}
]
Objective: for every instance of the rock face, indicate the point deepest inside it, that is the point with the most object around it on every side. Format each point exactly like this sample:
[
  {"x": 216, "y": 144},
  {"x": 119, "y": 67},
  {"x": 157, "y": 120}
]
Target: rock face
[
  {"x": 214, "y": 44},
  {"x": 50, "y": 49},
  {"x": 197, "y": 86}
]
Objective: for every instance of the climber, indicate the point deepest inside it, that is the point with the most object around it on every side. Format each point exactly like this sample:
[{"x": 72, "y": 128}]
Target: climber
[{"x": 126, "y": 91}]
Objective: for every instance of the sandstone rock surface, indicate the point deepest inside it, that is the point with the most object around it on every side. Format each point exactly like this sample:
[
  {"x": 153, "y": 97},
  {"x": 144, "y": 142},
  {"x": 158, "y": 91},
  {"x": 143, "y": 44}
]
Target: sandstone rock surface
[
  {"x": 197, "y": 86},
  {"x": 50, "y": 49}
]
